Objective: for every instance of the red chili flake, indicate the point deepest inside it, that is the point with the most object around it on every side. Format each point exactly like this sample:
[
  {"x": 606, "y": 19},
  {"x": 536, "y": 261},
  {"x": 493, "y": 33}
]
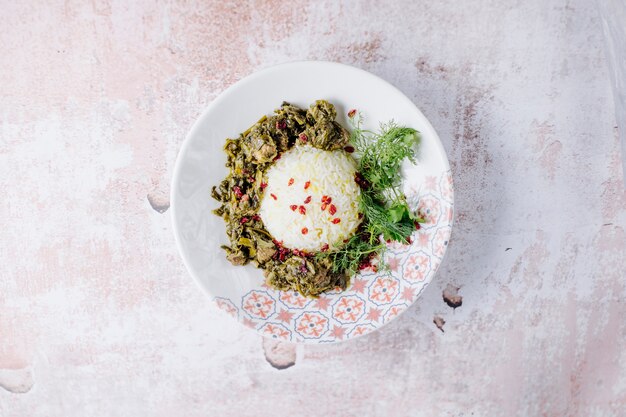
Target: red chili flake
[
  {"x": 281, "y": 253},
  {"x": 351, "y": 113},
  {"x": 324, "y": 247},
  {"x": 336, "y": 220},
  {"x": 303, "y": 137},
  {"x": 245, "y": 171},
  {"x": 290, "y": 182},
  {"x": 263, "y": 185},
  {"x": 332, "y": 209},
  {"x": 274, "y": 196},
  {"x": 324, "y": 205},
  {"x": 244, "y": 220},
  {"x": 256, "y": 217},
  {"x": 388, "y": 240},
  {"x": 409, "y": 240},
  {"x": 281, "y": 124},
  {"x": 307, "y": 184},
  {"x": 417, "y": 225},
  {"x": 237, "y": 191},
  {"x": 293, "y": 207},
  {"x": 250, "y": 179},
  {"x": 360, "y": 216},
  {"x": 307, "y": 200},
  {"x": 365, "y": 263},
  {"x": 276, "y": 158},
  {"x": 349, "y": 149},
  {"x": 296, "y": 252},
  {"x": 305, "y": 230},
  {"x": 302, "y": 210}
]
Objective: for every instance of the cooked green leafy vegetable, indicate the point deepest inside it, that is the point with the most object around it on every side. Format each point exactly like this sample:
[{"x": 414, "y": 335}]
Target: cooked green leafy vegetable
[{"x": 249, "y": 157}]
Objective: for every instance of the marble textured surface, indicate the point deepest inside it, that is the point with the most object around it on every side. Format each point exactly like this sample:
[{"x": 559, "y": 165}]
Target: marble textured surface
[{"x": 98, "y": 316}]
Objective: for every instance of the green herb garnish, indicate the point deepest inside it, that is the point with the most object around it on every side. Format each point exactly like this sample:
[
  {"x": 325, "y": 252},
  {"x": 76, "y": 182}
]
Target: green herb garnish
[{"x": 384, "y": 206}]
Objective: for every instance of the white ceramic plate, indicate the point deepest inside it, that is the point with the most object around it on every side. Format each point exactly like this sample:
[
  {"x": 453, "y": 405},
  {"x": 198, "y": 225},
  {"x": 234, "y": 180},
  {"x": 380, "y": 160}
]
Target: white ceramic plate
[{"x": 373, "y": 299}]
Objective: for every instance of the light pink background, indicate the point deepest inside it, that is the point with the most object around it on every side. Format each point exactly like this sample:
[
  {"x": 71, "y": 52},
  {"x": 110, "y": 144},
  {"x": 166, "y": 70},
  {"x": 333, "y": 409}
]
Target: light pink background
[{"x": 98, "y": 316}]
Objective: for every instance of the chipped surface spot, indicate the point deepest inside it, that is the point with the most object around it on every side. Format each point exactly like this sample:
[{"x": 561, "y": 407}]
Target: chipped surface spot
[
  {"x": 281, "y": 355},
  {"x": 451, "y": 296},
  {"x": 439, "y": 322},
  {"x": 159, "y": 202},
  {"x": 17, "y": 381}
]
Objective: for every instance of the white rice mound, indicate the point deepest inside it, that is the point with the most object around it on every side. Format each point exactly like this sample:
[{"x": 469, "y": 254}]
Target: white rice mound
[{"x": 331, "y": 174}]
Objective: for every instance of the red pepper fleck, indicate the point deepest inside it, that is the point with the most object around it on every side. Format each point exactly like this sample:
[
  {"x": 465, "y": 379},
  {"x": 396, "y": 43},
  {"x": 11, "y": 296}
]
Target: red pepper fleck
[
  {"x": 351, "y": 113},
  {"x": 409, "y": 240},
  {"x": 336, "y": 220},
  {"x": 237, "y": 191},
  {"x": 281, "y": 124},
  {"x": 305, "y": 230},
  {"x": 256, "y": 217},
  {"x": 307, "y": 200},
  {"x": 417, "y": 225},
  {"x": 274, "y": 196},
  {"x": 325, "y": 199},
  {"x": 365, "y": 263},
  {"x": 293, "y": 207},
  {"x": 307, "y": 184},
  {"x": 303, "y": 137},
  {"x": 244, "y": 220},
  {"x": 349, "y": 149},
  {"x": 360, "y": 216},
  {"x": 332, "y": 209},
  {"x": 263, "y": 185},
  {"x": 276, "y": 158},
  {"x": 324, "y": 205},
  {"x": 250, "y": 179},
  {"x": 290, "y": 183},
  {"x": 324, "y": 247},
  {"x": 281, "y": 253},
  {"x": 302, "y": 210}
]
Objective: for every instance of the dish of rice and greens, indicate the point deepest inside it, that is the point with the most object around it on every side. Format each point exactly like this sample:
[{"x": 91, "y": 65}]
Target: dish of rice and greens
[{"x": 311, "y": 203}]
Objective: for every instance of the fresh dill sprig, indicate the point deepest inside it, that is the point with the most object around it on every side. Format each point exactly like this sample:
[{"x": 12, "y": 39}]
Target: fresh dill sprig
[
  {"x": 381, "y": 155},
  {"x": 349, "y": 257},
  {"x": 384, "y": 206}
]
